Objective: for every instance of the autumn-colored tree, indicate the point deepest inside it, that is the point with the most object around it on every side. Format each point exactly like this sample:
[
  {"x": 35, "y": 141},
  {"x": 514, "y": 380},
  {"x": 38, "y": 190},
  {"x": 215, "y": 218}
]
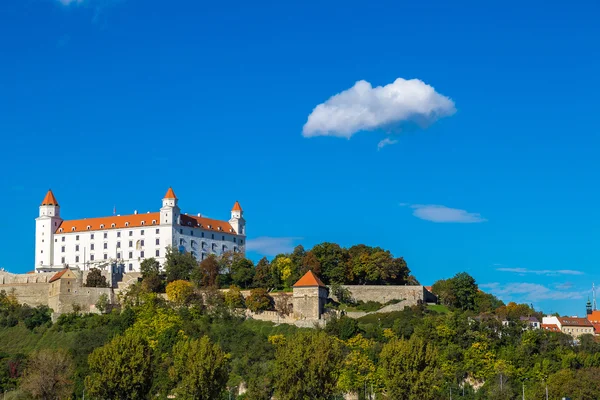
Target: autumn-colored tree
[
  {"x": 95, "y": 278},
  {"x": 206, "y": 274},
  {"x": 179, "y": 292},
  {"x": 200, "y": 369},
  {"x": 310, "y": 263},
  {"x": 48, "y": 375},
  {"x": 121, "y": 369},
  {"x": 307, "y": 366},
  {"x": 259, "y": 300}
]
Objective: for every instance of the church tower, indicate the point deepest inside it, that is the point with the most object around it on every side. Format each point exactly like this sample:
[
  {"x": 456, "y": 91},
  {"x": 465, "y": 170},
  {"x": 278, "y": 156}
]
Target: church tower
[
  {"x": 237, "y": 221},
  {"x": 46, "y": 224}
]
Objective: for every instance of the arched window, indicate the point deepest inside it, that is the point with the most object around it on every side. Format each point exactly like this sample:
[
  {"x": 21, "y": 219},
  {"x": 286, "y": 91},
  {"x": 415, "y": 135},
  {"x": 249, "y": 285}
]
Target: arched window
[
  {"x": 73, "y": 229},
  {"x": 113, "y": 225},
  {"x": 143, "y": 222},
  {"x": 101, "y": 226},
  {"x": 88, "y": 227},
  {"x": 126, "y": 223},
  {"x": 153, "y": 222}
]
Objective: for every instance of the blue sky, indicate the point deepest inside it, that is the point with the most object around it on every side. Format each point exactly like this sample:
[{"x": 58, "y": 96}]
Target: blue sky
[{"x": 488, "y": 163}]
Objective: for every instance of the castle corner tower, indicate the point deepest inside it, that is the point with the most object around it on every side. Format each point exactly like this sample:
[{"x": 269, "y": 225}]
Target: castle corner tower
[
  {"x": 237, "y": 221},
  {"x": 46, "y": 224}
]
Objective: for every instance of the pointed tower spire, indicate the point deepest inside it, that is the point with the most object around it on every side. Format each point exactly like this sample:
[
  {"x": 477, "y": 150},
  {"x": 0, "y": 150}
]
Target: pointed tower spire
[
  {"x": 237, "y": 207},
  {"x": 170, "y": 194},
  {"x": 49, "y": 199}
]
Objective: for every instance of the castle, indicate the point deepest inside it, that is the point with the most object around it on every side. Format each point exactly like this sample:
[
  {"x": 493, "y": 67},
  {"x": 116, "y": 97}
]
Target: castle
[{"x": 126, "y": 240}]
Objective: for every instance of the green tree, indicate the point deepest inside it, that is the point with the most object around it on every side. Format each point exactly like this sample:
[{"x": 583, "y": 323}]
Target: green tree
[
  {"x": 242, "y": 272},
  {"x": 103, "y": 303},
  {"x": 178, "y": 266},
  {"x": 410, "y": 369},
  {"x": 149, "y": 267},
  {"x": 234, "y": 298},
  {"x": 333, "y": 261},
  {"x": 259, "y": 300},
  {"x": 121, "y": 369},
  {"x": 307, "y": 366},
  {"x": 95, "y": 278},
  {"x": 263, "y": 276},
  {"x": 200, "y": 369},
  {"x": 465, "y": 290},
  {"x": 48, "y": 375}
]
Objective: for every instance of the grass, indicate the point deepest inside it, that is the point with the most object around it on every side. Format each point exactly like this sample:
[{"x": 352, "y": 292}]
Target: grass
[
  {"x": 438, "y": 308},
  {"x": 19, "y": 339}
]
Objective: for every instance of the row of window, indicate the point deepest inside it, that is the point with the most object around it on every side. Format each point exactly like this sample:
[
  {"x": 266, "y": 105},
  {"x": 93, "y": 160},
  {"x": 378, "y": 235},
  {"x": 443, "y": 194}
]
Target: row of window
[
  {"x": 105, "y": 234},
  {"x": 140, "y": 243},
  {"x": 212, "y": 236},
  {"x": 92, "y": 258}
]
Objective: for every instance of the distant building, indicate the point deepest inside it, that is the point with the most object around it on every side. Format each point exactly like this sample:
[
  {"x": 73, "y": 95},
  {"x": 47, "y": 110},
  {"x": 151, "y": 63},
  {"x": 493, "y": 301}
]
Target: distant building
[
  {"x": 531, "y": 322},
  {"x": 573, "y": 326},
  {"x": 128, "y": 239}
]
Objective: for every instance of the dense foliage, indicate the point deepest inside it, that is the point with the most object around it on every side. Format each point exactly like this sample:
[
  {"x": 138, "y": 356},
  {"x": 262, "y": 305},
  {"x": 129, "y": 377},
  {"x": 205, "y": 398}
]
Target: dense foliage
[{"x": 195, "y": 345}]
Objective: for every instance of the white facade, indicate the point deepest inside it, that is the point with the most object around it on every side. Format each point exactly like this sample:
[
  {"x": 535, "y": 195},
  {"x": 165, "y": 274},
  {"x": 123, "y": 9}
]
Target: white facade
[{"x": 129, "y": 239}]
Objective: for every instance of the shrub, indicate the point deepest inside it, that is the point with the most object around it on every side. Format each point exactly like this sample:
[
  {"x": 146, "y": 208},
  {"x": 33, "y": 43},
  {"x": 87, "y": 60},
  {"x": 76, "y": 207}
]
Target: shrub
[{"x": 259, "y": 300}]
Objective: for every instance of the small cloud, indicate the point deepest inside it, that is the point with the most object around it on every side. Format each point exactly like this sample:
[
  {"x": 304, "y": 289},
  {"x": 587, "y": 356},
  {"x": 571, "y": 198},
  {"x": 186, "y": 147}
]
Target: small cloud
[
  {"x": 365, "y": 108},
  {"x": 528, "y": 292},
  {"x": 442, "y": 214},
  {"x": 564, "y": 286},
  {"x": 386, "y": 142},
  {"x": 69, "y": 2},
  {"x": 548, "y": 272},
  {"x": 271, "y": 246}
]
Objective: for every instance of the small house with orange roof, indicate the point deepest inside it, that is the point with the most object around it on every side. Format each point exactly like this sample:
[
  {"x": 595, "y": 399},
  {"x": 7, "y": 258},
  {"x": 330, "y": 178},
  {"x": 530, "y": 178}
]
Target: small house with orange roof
[
  {"x": 127, "y": 239},
  {"x": 309, "y": 297}
]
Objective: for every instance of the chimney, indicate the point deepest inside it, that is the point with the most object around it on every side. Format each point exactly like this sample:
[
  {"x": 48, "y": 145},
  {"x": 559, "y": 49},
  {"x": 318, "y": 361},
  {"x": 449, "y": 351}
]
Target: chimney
[{"x": 135, "y": 212}]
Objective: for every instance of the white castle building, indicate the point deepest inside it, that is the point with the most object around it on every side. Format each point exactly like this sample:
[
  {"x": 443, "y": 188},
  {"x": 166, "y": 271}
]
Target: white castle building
[{"x": 128, "y": 239}]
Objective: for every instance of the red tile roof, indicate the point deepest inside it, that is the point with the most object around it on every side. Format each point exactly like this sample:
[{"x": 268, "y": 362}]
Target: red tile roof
[
  {"x": 237, "y": 207},
  {"x": 594, "y": 316},
  {"x": 550, "y": 327},
  {"x": 58, "y": 275},
  {"x": 49, "y": 200},
  {"x": 309, "y": 279},
  {"x": 170, "y": 194},
  {"x": 574, "y": 321},
  {"x": 206, "y": 223},
  {"x": 119, "y": 221}
]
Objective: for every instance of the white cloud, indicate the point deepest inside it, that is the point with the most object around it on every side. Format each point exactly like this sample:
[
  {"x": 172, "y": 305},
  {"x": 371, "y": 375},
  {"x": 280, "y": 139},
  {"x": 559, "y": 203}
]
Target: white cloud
[
  {"x": 68, "y": 2},
  {"x": 443, "y": 214},
  {"x": 364, "y": 108},
  {"x": 528, "y": 292},
  {"x": 271, "y": 246},
  {"x": 549, "y": 272},
  {"x": 386, "y": 142}
]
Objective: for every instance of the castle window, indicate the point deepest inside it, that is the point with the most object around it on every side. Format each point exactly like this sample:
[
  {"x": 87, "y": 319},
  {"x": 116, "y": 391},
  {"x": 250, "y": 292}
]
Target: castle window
[
  {"x": 224, "y": 248},
  {"x": 105, "y": 235},
  {"x": 92, "y": 246},
  {"x": 105, "y": 256},
  {"x": 62, "y": 239},
  {"x": 101, "y": 226},
  {"x": 181, "y": 241},
  {"x": 209, "y": 226},
  {"x": 131, "y": 267},
  {"x": 131, "y": 243},
  {"x": 219, "y": 228},
  {"x": 113, "y": 225},
  {"x": 234, "y": 240},
  {"x": 143, "y": 223},
  {"x": 55, "y": 240},
  {"x": 76, "y": 258},
  {"x": 91, "y": 257},
  {"x": 59, "y": 229},
  {"x": 106, "y": 245},
  {"x": 202, "y": 234},
  {"x": 76, "y": 237},
  {"x": 157, "y": 253},
  {"x": 223, "y": 238},
  {"x": 130, "y": 233},
  {"x": 212, "y": 236},
  {"x": 141, "y": 254},
  {"x": 142, "y": 232},
  {"x": 181, "y": 231},
  {"x": 92, "y": 235},
  {"x": 76, "y": 247},
  {"x": 154, "y": 222},
  {"x": 68, "y": 290},
  {"x": 241, "y": 241},
  {"x": 141, "y": 243},
  {"x": 189, "y": 223},
  {"x": 192, "y": 233},
  {"x": 157, "y": 231},
  {"x": 88, "y": 228},
  {"x": 118, "y": 234},
  {"x": 118, "y": 245},
  {"x": 235, "y": 249},
  {"x": 130, "y": 254},
  {"x": 126, "y": 223},
  {"x": 157, "y": 241},
  {"x": 62, "y": 260},
  {"x": 62, "y": 249},
  {"x": 118, "y": 255},
  {"x": 73, "y": 229}
]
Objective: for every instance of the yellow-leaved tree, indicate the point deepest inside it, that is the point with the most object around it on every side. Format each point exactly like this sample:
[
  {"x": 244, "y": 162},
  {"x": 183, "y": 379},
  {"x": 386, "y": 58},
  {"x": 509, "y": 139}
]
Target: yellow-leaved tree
[{"x": 180, "y": 292}]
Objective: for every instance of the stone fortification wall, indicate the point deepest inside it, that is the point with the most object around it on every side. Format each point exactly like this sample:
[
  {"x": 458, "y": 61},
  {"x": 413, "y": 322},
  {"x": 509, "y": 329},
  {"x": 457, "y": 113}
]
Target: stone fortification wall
[
  {"x": 30, "y": 289},
  {"x": 85, "y": 297},
  {"x": 7, "y": 278},
  {"x": 411, "y": 295}
]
